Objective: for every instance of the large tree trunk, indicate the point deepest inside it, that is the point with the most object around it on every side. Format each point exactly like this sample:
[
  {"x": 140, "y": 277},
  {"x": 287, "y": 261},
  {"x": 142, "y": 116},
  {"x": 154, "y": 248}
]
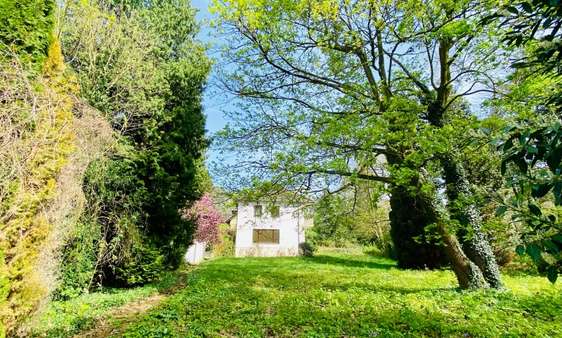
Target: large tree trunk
[
  {"x": 474, "y": 241},
  {"x": 409, "y": 216},
  {"x": 468, "y": 274},
  {"x": 423, "y": 208}
]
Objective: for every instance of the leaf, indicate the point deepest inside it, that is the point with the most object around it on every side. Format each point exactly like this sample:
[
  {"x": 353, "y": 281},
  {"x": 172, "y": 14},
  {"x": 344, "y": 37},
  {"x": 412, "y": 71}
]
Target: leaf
[
  {"x": 539, "y": 190},
  {"x": 522, "y": 164},
  {"x": 527, "y": 7},
  {"x": 552, "y": 274},
  {"x": 551, "y": 247},
  {"x": 557, "y": 193},
  {"x": 534, "y": 209},
  {"x": 534, "y": 251},
  {"x": 500, "y": 211},
  {"x": 553, "y": 159},
  {"x": 519, "y": 65},
  {"x": 508, "y": 145},
  {"x": 513, "y": 9},
  {"x": 520, "y": 250},
  {"x": 503, "y": 167}
]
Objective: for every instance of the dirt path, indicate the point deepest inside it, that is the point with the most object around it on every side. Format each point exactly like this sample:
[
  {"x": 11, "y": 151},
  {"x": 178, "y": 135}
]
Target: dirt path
[{"x": 115, "y": 321}]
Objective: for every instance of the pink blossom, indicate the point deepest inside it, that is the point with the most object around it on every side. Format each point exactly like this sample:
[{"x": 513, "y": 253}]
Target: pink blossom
[{"x": 207, "y": 219}]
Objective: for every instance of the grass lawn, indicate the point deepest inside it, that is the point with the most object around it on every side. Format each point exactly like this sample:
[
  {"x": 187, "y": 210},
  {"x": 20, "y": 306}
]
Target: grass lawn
[{"x": 346, "y": 295}]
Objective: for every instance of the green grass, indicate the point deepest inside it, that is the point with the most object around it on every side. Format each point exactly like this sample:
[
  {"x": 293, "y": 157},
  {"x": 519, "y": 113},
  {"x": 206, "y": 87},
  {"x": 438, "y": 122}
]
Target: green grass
[
  {"x": 66, "y": 318},
  {"x": 342, "y": 295}
]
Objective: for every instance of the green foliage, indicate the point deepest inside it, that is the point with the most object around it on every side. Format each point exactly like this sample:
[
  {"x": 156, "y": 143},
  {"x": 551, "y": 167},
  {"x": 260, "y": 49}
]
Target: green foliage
[
  {"x": 145, "y": 72},
  {"x": 532, "y": 166},
  {"x": 537, "y": 20},
  {"x": 109, "y": 248},
  {"x": 78, "y": 262},
  {"x": 356, "y": 216},
  {"x": 342, "y": 294},
  {"x": 307, "y": 249},
  {"x": 533, "y": 151},
  {"x": 26, "y": 27},
  {"x": 37, "y": 113}
]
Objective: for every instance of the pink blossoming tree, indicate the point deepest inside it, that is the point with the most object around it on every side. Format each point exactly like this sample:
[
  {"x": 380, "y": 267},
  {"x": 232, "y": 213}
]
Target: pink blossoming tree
[{"x": 207, "y": 218}]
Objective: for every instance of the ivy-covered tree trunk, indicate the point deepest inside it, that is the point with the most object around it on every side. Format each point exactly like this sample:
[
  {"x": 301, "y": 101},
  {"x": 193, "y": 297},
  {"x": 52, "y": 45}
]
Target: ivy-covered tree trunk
[
  {"x": 474, "y": 241},
  {"x": 411, "y": 213},
  {"x": 409, "y": 216},
  {"x": 468, "y": 274}
]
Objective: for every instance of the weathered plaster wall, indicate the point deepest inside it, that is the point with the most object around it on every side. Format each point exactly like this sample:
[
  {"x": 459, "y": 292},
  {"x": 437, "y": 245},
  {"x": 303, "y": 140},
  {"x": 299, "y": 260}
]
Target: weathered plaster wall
[{"x": 291, "y": 224}]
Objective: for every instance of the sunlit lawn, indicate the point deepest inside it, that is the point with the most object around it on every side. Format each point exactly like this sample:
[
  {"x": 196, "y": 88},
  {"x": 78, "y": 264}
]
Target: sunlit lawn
[{"x": 343, "y": 295}]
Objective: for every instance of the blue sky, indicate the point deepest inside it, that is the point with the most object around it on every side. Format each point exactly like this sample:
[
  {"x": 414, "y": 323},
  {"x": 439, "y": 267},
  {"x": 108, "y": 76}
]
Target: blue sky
[{"x": 214, "y": 101}]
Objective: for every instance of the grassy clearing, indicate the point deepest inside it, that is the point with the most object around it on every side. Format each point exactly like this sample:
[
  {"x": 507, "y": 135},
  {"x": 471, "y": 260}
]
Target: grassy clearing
[
  {"x": 335, "y": 294},
  {"x": 67, "y": 318},
  {"x": 342, "y": 295}
]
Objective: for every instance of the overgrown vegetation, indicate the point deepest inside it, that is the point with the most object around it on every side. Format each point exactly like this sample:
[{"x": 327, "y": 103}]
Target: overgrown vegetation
[
  {"x": 36, "y": 115},
  {"x": 533, "y": 150},
  {"x": 426, "y": 130},
  {"x": 82, "y": 209},
  {"x": 354, "y": 218},
  {"x": 146, "y": 76}
]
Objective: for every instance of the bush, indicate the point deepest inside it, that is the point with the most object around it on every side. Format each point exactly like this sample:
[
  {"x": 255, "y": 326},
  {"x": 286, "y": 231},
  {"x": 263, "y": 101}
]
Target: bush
[
  {"x": 78, "y": 260},
  {"x": 307, "y": 249}
]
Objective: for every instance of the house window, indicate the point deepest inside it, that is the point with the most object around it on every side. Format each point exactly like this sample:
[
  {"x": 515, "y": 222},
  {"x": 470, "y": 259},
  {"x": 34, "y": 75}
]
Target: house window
[
  {"x": 257, "y": 210},
  {"x": 269, "y": 236},
  {"x": 275, "y": 211}
]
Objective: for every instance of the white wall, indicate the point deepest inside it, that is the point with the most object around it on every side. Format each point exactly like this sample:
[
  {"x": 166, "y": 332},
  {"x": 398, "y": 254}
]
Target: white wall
[
  {"x": 195, "y": 253},
  {"x": 291, "y": 224}
]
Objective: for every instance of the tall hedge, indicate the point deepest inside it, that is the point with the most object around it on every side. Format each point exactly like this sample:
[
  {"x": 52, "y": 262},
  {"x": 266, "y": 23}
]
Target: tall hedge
[{"x": 142, "y": 68}]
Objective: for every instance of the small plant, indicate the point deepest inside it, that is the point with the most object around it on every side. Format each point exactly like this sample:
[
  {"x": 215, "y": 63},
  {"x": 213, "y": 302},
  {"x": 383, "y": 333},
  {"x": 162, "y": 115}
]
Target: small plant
[{"x": 307, "y": 249}]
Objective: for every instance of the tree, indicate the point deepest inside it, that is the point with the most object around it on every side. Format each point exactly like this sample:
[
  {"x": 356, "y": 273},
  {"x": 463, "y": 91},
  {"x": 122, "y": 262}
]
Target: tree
[
  {"x": 207, "y": 218},
  {"x": 355, "y": 90},
  {"x": 26, "y": 28},
  {"x": 356, "y": 216},
  {"x": 533, "y": 150},
  {"x": 140, "y": 65}
]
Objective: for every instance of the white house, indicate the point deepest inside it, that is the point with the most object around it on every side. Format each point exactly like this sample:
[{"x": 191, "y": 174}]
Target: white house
[{"x": 269, "y": 230}]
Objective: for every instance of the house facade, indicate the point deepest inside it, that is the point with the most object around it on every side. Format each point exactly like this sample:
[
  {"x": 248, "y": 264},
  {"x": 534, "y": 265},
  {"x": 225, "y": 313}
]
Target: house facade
[{"x": 269, "y": 230}]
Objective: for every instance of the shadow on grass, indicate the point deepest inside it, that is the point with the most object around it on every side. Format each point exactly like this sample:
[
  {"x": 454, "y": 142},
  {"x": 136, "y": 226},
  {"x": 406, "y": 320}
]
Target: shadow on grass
[{"x": 347, "y": 262}]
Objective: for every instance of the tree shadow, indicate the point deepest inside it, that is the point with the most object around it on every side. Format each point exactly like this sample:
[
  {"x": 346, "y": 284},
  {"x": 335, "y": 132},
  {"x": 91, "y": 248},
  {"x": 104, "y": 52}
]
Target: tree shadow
[{"x": 348, "y": 262}]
